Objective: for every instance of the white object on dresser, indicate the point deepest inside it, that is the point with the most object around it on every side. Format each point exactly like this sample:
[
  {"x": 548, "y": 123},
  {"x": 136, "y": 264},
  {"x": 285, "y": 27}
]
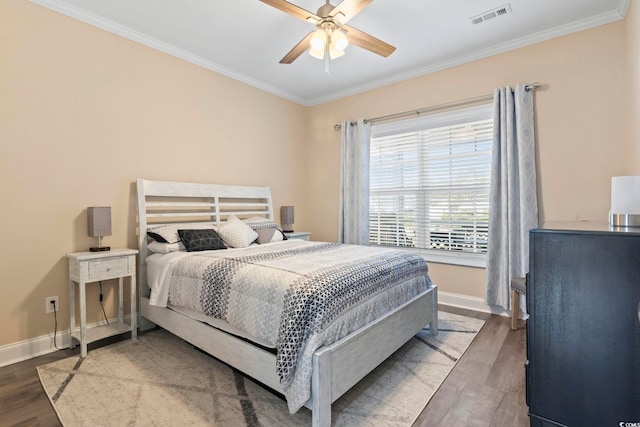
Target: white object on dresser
[
  {"x": 303, "y": 235},
  {"x": 90, "y": 267}
]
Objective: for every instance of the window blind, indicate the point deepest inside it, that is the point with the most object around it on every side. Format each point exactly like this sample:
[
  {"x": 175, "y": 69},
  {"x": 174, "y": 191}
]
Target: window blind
[{"x": 429, "y": 183}]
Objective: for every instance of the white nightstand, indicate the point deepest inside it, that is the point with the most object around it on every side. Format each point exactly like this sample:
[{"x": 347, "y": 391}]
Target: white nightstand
[
  {"x": 90, "y": 267},
  {"x": 302, "y": 235}
]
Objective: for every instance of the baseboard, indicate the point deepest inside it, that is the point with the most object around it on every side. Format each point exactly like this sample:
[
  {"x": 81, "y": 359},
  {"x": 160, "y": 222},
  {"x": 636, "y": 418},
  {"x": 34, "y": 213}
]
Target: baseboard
[
  {"x": 470, "y": 303},
  {"x": 34, "y": 347},
  {"x": 23, "y": 350}
]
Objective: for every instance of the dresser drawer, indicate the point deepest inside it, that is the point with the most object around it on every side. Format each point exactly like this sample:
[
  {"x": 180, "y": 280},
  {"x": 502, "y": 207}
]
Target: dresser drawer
[{"x": 106, "y": 268}]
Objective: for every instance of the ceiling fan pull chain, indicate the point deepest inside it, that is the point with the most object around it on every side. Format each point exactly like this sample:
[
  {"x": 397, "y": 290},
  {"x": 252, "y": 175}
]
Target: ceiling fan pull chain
[{"x": 326, "y": 60}]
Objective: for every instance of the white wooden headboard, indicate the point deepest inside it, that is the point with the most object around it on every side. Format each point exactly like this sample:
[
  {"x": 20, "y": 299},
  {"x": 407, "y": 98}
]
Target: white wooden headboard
[{"x": 165, "y": 202}]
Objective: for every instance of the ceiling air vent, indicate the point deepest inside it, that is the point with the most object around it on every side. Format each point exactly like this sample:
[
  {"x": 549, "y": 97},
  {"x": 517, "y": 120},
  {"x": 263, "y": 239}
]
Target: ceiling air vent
[{"x": 490, "y": 14}]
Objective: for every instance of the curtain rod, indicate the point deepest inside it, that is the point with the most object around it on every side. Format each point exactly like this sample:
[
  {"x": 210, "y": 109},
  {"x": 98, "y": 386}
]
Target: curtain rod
[{"x": 529, "y": 87}]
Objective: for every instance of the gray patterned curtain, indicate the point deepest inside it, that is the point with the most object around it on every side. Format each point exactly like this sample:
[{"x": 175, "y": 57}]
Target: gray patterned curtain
[
  {"x": 513, "y": 208},
  {"x": 353, "y": 224}
]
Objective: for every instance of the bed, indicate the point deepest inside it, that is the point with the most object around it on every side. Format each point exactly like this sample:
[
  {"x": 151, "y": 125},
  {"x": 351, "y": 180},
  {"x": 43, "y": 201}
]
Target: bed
[{"x": 340, "y": 358}]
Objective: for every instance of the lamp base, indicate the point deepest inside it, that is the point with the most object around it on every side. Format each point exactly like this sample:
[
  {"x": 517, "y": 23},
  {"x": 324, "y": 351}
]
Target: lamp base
[
  {"x": 624, "y": 220},
  {"x": 100, "y": 249}
]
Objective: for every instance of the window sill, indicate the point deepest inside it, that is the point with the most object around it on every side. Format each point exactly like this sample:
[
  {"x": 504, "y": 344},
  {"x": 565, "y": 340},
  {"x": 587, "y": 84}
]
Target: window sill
[{"x": 453, "y": 258}]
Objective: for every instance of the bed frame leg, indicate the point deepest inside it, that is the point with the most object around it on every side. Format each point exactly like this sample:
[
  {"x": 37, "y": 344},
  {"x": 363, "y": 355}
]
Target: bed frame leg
[
  {"x": 433, "y": 325},
  {"x": 321, "y": 390},
  {"x": 145, "y": 324}
]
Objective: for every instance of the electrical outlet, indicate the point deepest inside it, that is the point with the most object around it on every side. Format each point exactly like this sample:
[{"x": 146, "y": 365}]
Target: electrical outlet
[{"x": 49, "y": 307}]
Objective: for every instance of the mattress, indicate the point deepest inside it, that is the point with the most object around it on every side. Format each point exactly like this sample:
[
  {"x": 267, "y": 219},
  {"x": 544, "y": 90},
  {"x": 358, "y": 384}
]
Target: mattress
[{"x": 159, "y": 269}]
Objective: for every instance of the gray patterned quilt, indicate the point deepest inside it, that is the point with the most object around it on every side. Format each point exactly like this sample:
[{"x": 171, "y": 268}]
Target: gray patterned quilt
[{"x": 297, "y": 295}]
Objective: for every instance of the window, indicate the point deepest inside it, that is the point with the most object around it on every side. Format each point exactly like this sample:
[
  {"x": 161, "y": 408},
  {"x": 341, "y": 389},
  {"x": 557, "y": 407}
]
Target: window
[{"x": 429, "y": 185}]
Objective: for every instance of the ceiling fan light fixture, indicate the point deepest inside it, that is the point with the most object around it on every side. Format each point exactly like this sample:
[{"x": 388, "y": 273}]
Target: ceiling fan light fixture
[
  {"x": 316, "y": 53},
  {"x": 330, "y": 19},
  {"x": 339, "y": 41},
  {"x": 319, "y": 40},
  {"x": 333, "y": 53}
]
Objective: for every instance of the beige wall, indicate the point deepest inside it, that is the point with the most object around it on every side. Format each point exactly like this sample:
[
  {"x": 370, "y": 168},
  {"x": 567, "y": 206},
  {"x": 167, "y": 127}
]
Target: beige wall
[
  {"x": 633, "y": 57},
  {"x": 83, "y": 113},
  {"x": 582, "y": 129}
]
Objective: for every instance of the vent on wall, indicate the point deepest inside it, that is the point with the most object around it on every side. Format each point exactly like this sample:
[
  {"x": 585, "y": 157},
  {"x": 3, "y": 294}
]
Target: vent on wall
[{"x": 490, "y": 14}]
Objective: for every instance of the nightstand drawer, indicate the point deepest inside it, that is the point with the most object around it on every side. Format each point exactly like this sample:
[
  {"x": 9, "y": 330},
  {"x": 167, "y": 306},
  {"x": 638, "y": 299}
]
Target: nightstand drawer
[{"x": 108, "y": 268}]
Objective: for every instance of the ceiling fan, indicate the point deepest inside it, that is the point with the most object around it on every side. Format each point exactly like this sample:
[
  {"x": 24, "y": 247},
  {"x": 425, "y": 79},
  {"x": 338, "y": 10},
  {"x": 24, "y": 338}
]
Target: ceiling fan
[{"x": 329, "y": 40}]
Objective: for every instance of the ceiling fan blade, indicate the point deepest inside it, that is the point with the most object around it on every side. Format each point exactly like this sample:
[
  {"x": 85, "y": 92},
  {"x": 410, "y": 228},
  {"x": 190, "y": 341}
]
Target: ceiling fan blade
[
  {"x": 348, "y": 9},
  {"x": 293, "y": 10},
  {"x": 370, "y": 43},
  {"x": 297, "y": 50}
]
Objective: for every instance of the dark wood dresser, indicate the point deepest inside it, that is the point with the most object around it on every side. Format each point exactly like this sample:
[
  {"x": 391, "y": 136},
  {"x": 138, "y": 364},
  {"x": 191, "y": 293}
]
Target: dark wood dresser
[{"x": 583, "y": 331}]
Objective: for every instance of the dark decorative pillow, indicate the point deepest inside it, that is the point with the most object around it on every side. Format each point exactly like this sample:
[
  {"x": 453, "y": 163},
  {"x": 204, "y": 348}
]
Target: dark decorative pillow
[{"x": 201, "y": 240}]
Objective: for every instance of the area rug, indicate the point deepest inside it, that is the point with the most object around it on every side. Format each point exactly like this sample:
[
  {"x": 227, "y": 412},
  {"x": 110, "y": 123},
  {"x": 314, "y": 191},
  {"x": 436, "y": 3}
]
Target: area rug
[{"x": 161, "y": 380}]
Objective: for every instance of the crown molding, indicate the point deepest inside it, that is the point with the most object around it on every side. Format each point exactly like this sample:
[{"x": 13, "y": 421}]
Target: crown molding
[
  {"x": 514, "y": 44},
  {"x": 623, "y": 7},
  {"x": 121, "y": 30}
]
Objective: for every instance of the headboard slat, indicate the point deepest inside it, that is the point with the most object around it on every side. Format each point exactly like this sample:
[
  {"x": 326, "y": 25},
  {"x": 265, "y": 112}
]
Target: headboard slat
[
  {"x": 203, "y": 213},
  {"x": 179, "y": 205}
]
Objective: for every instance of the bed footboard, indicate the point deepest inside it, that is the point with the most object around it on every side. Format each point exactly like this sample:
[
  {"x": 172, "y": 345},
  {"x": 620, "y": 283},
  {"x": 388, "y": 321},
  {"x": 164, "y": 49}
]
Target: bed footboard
[{"x": 338, "y": 367}]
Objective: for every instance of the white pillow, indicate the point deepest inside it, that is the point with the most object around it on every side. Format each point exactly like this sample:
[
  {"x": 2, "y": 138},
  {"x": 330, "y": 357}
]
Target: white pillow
[
  {"x": 236, "y": 233},
  {"x": 165, "y": 248}
]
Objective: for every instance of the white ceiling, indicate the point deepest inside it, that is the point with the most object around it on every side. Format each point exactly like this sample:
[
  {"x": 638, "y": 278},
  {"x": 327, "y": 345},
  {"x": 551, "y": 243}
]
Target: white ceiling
[{"x": 245, "y": 39}]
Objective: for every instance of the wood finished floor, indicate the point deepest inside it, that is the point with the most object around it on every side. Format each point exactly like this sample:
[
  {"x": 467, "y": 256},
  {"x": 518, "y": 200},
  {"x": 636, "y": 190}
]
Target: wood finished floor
[{"x": 485, "y": 388}]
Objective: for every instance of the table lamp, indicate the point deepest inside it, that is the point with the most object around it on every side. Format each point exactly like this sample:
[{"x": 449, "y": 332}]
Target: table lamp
[
  {"x": 99, "y": 225},
  {"x": 286, "y": 218}
]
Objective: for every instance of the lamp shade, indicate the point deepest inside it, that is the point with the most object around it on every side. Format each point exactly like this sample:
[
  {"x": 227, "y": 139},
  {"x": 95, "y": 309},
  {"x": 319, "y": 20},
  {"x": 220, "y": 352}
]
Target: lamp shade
[
  {"x": 333, "y": 54},
  {"x": 286, "y": 218},
  {"x": 99, "y": 221},
  {"x": 339, "y": 41},
  {"x": 318, "y": 40},
  {"x": 316, "y": 53},
  {"x": 625, "y": 201}
]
